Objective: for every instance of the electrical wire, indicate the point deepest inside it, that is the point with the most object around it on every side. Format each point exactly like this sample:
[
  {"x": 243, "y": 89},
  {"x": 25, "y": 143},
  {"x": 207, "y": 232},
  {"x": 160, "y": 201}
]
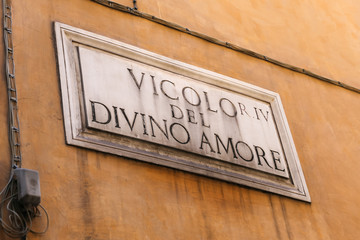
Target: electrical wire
[
  {"x": 119, "y": 7},
  {"x": 12, "y": 218},
  {"x": 38, "y": 214},
  {"x": 15, "y": 218},
  {"x": 14, "y": 124},
  {"x": 6, "y": 185}
]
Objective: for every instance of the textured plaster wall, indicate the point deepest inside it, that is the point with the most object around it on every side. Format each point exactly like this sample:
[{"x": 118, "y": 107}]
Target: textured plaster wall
[{"x": 92, "y": 195}]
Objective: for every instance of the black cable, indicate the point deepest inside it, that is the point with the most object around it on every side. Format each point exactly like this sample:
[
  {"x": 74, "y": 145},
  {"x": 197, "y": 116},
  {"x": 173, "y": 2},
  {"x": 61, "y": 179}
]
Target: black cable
[
  {"x": 47, "y": 220},
  {"x": 15, "y": 218},
  {"x": 16, "y": 225}
]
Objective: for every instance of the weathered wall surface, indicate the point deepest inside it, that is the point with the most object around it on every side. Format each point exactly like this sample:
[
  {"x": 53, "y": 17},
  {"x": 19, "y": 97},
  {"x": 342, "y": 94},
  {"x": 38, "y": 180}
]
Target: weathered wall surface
[{"x": 92, "y": 195}]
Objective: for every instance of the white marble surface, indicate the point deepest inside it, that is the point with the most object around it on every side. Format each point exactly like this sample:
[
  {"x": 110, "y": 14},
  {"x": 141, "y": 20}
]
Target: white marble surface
[{"x": 130, "y": 98}]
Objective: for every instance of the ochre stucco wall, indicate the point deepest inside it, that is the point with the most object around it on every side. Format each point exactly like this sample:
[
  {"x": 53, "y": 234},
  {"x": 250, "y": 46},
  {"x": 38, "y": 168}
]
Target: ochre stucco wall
[{"x": 93, "y": 195}]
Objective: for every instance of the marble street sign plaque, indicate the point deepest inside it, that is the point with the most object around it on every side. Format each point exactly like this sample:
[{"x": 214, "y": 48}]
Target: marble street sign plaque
[{"x": 127, "y": 101}]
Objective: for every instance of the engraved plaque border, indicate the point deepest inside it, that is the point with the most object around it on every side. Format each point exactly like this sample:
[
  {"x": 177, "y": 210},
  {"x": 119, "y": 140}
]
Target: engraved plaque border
[{"x": 77, "y": 134}]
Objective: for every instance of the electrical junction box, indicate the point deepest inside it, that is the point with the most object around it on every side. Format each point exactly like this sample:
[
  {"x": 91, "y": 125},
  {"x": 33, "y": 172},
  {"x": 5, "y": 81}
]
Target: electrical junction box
[{"x": 28, "y": 184}]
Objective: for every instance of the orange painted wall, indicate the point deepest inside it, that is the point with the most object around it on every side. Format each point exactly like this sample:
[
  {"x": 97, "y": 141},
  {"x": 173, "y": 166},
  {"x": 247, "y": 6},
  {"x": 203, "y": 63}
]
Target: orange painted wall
[{"x": 93, "y": 195}]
